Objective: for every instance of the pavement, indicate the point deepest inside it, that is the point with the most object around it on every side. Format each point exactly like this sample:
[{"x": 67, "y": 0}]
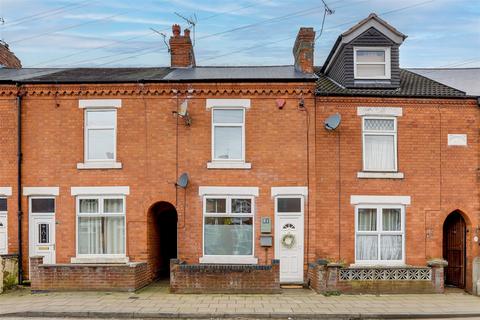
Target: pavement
[{"x": 156, "y": 302}]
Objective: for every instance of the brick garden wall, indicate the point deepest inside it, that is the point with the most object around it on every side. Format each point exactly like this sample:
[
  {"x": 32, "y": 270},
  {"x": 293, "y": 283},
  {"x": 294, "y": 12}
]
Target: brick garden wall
[
  {"x": 185, "y": 278},
  {"x": 106, "y": 277}
]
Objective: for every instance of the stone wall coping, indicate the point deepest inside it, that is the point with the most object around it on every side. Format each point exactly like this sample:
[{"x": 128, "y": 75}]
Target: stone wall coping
[
  {"x": 437, "y": 263},
  {"x": 10, "y": 255},
  {"x": 92, "y": 265},
  {"x": 206, "y": 267}
]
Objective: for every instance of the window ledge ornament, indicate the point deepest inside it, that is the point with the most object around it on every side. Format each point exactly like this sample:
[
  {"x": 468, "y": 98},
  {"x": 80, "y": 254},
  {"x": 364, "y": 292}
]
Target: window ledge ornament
[
  {"x": 228, "y": 165},
  {"x": 99, "y": 165},
  {"x": 380, "y": 175}
]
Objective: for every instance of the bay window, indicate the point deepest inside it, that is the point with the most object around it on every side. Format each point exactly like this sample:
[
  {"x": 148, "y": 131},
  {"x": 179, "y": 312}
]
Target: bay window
[
  {"x": 379, "y": 144},
  {"x": 100, "y": 226},
  {"x": 380, "y": 234}
]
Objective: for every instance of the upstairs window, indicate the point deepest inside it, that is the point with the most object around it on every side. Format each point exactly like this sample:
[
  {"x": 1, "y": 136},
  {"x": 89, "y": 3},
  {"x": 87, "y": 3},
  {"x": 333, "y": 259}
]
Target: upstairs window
[
  {"x": 100, "y": 135},
  {"x": 380, "y": 144},
  {"x": 372, "y": 63},
  {"x": 228, "y": 134}
]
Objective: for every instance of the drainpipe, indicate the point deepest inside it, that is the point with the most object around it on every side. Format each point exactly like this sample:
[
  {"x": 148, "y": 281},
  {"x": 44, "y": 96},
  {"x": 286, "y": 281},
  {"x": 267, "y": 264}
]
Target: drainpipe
[{"x": 19, "y": 183}]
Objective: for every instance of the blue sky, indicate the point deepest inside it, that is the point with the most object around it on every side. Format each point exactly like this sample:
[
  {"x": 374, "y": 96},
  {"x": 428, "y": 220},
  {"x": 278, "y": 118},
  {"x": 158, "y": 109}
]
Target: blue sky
[{"x": 112, "y": 33}]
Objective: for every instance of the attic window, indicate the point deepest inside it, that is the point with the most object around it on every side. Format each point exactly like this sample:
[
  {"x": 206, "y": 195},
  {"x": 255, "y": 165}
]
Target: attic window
[{"x": 372, "y": 62}]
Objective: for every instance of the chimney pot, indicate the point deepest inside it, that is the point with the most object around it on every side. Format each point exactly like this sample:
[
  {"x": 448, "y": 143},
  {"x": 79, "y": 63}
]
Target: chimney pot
[
  {"x": 186, "y": 32},
  {"x": 303, "y": 50},
  {"x": 176, "y": 30}
]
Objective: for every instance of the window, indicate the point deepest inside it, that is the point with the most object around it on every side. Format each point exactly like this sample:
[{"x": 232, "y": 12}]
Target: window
[
  {"x": 3, "y": 205},
  {"x": 100, "y": 135},
  {"x": 228, "y": 134},
  {"x": 372, "y": 63},
  {"x": 228, "y": 226},
  {"x": 380, "y": 144},
  {"x": 379, "y": 234},
  {"x": 101, "y": 225}
]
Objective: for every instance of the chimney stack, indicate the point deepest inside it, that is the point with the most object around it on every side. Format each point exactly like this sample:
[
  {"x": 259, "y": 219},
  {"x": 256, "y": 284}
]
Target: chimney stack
[
  {"x": 303, "y": 50},
  {"x": 7, "y": 58},
  {"x": 181, "y": 48}
]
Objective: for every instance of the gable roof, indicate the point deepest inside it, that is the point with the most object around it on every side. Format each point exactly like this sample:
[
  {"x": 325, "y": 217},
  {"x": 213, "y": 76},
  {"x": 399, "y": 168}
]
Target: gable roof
[
  {"x": 465, "y": 79},
  {"x": 411, "y": 85}
]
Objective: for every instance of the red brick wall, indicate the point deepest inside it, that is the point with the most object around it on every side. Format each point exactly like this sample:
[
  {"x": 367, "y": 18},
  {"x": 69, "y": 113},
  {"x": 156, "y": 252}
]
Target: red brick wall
[
  {"x": 439, "y": 178},
  {"x": 109, "y": 277},
  {"x": 186, "y": 278}
]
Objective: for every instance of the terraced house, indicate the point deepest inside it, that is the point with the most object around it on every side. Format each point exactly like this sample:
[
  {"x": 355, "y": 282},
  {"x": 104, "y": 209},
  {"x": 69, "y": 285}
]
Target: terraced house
[{"x": 356, "y": 176}]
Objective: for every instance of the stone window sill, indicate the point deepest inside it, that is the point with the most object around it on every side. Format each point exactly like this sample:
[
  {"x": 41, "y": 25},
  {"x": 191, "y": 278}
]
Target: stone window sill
[
  {"x": 99, "y": 165},
  {"x": 379, "y": 175},
  {"x": 228, "y": 165},
  {"x": 228, "y": 260},
  {"x": 86, "y": 260}
]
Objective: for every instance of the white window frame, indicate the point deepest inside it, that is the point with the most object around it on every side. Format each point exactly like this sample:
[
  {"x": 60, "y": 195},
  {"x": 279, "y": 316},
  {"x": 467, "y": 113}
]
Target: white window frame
[
  {"x": 88, "y": 128},
  {"x": 380, "y": 133},
  {"x": 230, "y": 259},
  {"x": 100, "y": 198},
  {"x": 235, "y": 124},
  {"x": 387, "y": 62},
  {"x": 380, "y": 232},
  {"x": 5, "y": 214}
]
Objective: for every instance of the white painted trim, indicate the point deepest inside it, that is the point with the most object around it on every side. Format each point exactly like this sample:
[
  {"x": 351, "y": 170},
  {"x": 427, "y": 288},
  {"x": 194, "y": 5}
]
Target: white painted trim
[
  {"x": 5, "y": 191},
  {"x": 387, "y": 63},
  {"x": 41, "y": 191},
  {"x": 289, "y": 191},
  {"x": 228, "y": 103},
  {"x": 377, "y": 25},
  {"x": 237, "y": 191},
  {"x": 215, "y": 125},
  {"x": 403, "y": 200},
  {"x": 122, "y": 190},
  {"x": 228, "y": 260},
  {"x": 380, "y": 175},
  {"x": 457, "y": 139},
  {"x": 100, "y": 259},
  {"x": 99, "y": 165},
  {"x": 382, "y": 133},
  {"x": 228, "y": 165},
  {"x": 380, "y": 111},
  {"x": 100, "y": 103}
]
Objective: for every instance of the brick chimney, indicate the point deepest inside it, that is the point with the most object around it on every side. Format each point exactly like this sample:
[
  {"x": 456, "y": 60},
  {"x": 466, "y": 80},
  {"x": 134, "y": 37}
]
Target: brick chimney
[
  {"x": 7, "y": 58},
  {"x": 181, "y": 48},
  {"x": 303, "y": 50}
]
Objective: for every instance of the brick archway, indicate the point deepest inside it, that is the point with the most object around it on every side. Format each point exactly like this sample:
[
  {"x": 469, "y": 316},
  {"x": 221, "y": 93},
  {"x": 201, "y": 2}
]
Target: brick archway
[{"x": 162, "y": 238}]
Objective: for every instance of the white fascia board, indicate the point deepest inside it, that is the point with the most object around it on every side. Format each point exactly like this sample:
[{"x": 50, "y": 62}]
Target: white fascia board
[
  {"x": 289, "y": 191},
  {"x": 404, "y": 200},
  {"x": 228, "y": 103},
  {"x": 238, "y": 191},
  {"x": 100, "y": 103},
  {"x": 380, "y": 111},
  {"x": 41, "y": 191},
  {"x": 120, "y": 190},
  {"x": 377, "y": 25},
  {"x": 5, "y": 191}
]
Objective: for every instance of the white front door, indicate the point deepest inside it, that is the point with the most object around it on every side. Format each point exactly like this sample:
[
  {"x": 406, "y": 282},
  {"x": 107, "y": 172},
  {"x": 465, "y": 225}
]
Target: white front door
[
  {"x": 42, "y": 229},
  {"x": 3, "y": 233},
  {"x": 289, "y": 238}
]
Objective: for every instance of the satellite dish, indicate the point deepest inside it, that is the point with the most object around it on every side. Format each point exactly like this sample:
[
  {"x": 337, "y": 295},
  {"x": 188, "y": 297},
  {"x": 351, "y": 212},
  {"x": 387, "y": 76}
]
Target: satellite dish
[
  {"x": 333, "y": 122},
  {"x": 183, "y": 180}
]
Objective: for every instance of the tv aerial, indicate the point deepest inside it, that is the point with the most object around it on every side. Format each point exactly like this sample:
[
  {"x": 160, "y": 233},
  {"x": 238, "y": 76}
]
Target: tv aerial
[
  {"x": 192, "y": 22},
  {"x": 332, "y": 122}
]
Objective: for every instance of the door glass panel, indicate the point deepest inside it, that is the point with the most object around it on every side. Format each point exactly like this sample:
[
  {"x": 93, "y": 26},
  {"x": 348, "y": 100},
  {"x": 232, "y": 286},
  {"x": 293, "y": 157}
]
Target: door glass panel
[
  {"x": 43, "y": 205},
  {"x": 289, "y": 205},
  {"x": 43, "y": 233}
]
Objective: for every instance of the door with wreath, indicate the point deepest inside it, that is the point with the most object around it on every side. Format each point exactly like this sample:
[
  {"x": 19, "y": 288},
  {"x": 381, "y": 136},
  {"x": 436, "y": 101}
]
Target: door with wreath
[{"x": 289, "y": 239}]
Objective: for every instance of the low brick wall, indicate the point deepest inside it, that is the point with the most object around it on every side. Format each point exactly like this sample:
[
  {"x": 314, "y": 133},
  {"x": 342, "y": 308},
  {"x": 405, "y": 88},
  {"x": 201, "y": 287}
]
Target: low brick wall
[
  {"x": 72, "y": 277},
  {"x": 8, "y": 271},
  {"x": 218, "y": 278},
  {"x": 329, "y": 278}
]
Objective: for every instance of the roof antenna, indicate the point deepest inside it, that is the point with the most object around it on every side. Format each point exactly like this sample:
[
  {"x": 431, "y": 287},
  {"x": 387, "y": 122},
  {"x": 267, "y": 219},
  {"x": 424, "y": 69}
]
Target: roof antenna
[
  {"x": 192, "y": 22},
  {"x": 326, "y": 10},
  {"x": 164, "y": 36}
]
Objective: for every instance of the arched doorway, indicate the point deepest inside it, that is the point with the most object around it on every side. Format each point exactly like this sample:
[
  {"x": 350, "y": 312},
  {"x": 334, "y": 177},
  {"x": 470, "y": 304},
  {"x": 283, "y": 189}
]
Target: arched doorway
[
  {"x": 454, "y": 249},
  {"x": 162, "y": 238}
]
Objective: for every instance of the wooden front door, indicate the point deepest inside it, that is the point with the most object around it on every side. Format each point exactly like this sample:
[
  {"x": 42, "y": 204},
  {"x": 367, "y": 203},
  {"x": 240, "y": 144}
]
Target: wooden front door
[{"x": 454, "y": 232}]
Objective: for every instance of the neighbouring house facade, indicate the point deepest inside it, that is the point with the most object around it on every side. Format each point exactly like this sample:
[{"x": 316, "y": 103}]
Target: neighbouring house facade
[{"x": 233, "y": 171}]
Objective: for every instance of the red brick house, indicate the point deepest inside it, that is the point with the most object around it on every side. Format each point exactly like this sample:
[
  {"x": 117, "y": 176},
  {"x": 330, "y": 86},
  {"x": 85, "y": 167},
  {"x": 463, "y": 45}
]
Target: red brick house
[{"x": 102, "y": 152}]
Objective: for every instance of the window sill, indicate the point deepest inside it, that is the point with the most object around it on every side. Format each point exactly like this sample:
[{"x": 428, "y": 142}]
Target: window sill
[
  {"x": 228, "y": 260},
  {"x": 228, "y": 165},
  {"x": 379, "y": 175},
  {"x": 99, "y": 165},
  {"x": 99, "y": 259},
  {"x": 378, "y": 264}
]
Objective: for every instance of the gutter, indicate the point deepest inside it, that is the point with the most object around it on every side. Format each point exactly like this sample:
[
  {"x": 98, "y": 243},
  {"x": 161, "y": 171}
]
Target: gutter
[{"x": 19, "y": 182}]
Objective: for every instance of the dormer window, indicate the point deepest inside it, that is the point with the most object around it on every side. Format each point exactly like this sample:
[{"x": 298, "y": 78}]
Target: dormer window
[{"x": 372, "y": 63}]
